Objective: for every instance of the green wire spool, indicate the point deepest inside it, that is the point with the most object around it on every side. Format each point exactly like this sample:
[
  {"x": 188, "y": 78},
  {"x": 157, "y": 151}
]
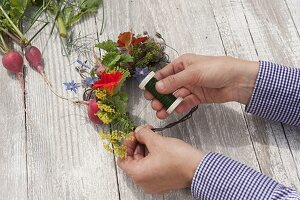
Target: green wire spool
[{"x": 169, "y": 101}]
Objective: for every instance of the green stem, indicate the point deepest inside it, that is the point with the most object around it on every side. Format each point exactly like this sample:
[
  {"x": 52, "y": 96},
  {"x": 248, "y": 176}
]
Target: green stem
[
  {"x": 3, "y": 44},
  {"x": 20, "y": 34},
  {"x": 102, "y": 25},
  {"x": 12, "y": 36},
  {"x": 29, "y": 41},
  {"x": 61, "y": 27},
  {"x": 39, "y": 12}
]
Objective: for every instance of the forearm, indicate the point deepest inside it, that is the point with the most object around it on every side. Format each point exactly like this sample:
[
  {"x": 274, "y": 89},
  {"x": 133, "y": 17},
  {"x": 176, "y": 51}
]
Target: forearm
[
  {"x": 218, "y": 177},
  {"x": 276, "y": 95}
]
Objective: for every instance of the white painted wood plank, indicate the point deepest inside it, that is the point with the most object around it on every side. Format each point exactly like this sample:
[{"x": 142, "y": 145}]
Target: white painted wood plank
[
  {"x": 276, "y": 38},
  {"x": 66, "y": 159},
  {"x": 188, "y": 26},
  {"x": 265, "y": 135},
  {"x": 118, "y": 18},
  {"x": 13, "y": 176}
]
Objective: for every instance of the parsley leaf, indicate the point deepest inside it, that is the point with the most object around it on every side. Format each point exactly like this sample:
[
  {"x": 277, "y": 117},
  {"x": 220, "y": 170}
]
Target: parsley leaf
[{"x": 108, "y": 46}]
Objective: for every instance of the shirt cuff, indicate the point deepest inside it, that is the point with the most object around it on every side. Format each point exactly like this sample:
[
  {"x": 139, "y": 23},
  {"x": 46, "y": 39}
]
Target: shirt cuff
[
  {"x": 276, "y": 95},
  {"x": 219, "y": 177}
]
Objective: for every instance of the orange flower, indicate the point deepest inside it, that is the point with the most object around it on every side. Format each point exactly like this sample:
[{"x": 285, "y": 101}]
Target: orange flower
[
  {"x": 108, "y": 81},
  {"x": 127, "y": 38}
]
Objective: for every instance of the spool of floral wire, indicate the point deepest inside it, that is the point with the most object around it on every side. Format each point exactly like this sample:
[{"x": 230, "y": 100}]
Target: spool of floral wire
[{"x": 169, "y": 101}]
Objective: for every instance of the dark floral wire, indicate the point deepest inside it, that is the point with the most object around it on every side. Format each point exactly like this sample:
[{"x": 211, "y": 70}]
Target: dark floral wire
[{"x": 184, "y": 118}]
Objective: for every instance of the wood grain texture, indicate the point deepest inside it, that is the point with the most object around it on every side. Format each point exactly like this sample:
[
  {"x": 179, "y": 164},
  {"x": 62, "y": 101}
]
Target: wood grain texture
[
  {"x": 53, "y": 152},
  {"x": 267, "y": 137},
  {"x": 220, "y": 128},
  {"x": 276, "y": 38},
  {"x": 13, "y": 175},
  {"x": 65, "y": 157},
  {"x": 121, "y": 16}
]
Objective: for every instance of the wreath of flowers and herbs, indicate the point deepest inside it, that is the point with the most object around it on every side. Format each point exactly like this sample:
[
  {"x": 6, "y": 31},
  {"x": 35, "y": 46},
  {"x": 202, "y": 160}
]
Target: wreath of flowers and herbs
[{"x": 131, "y": 56}]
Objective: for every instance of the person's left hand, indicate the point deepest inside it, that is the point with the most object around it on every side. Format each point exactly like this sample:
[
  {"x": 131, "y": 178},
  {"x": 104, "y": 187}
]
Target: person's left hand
[{"x": 159, "y": 164}]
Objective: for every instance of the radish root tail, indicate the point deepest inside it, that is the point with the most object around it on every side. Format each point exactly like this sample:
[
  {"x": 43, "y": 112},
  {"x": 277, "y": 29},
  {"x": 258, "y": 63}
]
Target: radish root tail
[{"x": 48, "y": 83}]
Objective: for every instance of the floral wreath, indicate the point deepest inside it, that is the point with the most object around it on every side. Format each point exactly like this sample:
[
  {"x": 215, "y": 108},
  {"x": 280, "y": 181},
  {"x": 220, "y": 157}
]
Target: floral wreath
[{"x": 131, "y": 56}]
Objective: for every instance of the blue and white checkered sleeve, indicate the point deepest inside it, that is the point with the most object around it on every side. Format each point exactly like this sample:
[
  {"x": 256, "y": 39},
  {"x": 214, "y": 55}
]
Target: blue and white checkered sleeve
[
  {"x": 220, "y": 178},
  {"x": 276, "y": 95}
]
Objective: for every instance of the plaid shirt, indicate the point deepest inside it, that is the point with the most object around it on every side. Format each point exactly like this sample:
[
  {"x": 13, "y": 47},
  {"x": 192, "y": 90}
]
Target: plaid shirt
[{"x": 276, "y": 96}]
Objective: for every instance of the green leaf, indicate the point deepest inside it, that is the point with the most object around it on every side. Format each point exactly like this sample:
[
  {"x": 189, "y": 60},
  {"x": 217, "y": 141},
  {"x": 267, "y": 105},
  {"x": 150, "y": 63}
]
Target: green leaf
[
  {"x": 20, "y": 4},
  {"x": 89, "y": 5},
  {"x": 108, "y": 46},
  {"x": 85, "y": 6},
  {"x": 126, "y": 58},
  {"x": 119, "y": 102},
  {"x": 125, "y": 74},
  {"x": 111, "y": 59}
]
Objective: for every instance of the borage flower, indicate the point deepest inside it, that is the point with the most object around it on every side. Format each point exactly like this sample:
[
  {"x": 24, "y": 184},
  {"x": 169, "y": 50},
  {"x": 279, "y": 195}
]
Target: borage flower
[
  {"x": 72, "y": 86},
  {"x": 88, "y": 81},
  {"x": 140, "y": 73},
  {"x": 108, "y": 81}
]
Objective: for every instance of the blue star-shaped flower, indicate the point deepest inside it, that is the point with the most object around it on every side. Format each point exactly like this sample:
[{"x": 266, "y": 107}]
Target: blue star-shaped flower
[
  {"x": 140, "y": 73},
  {"x": 72, "y": 86},
  {"x": 88, "y": 81},
  {"x": 83, "y": 64}
]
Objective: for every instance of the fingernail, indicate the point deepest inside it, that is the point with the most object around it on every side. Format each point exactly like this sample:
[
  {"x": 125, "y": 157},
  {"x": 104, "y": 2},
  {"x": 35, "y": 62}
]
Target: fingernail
[{"x": 160, "y": 85}]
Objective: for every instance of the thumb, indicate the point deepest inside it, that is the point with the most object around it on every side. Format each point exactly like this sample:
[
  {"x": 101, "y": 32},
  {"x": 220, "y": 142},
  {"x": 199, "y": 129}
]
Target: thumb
[
  {"x": 173, "y": 82},
  {"x": 145, "y": 135}
]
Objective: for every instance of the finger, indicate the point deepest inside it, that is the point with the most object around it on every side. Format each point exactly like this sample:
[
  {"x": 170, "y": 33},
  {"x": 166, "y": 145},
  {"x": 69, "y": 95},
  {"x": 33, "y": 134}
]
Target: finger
[
  {"x": 162, "y": 114},
  {"x": 182, "y": 92},
  {"x": 174, "y": 82},
  {"x": 125, "y": 163},
  {"x": 146, "y": 136},
  {"x": 139, "y": 152},
  {"x": 188, "y": 102},
  {"x": 174, "y": 67},
  {"x": 156, "y": 105},
  {"x": 130, "y": 146},
  {"x": 146, "y": 151},
  {"x": 148, "y": 95}
]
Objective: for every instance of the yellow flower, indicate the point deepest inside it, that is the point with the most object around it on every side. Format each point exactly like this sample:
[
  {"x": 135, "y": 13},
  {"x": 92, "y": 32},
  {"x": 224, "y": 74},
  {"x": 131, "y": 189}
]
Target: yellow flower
[
  {"x": 100, "y": 94},
  {"x": 106, "y": 108},
  {"x": 113, "y": 142},
  {"x": 102, "y": 135},
  {"x": 104, "y": 117},
  {"x": 108, "y": 147}
]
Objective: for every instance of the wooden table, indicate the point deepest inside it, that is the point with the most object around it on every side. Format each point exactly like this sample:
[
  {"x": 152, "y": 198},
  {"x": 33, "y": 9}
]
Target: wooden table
[{"x": 51, "y": 151}]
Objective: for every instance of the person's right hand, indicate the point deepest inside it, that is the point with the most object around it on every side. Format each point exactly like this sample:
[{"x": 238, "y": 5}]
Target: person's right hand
[{"x": 205, "y": 79}]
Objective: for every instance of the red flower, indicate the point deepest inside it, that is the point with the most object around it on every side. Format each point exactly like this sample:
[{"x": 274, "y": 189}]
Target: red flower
[
  {"x": 108, "y": 81},
  {"x": 139, "y": 40},
  {"x": 126, "y": 39}
]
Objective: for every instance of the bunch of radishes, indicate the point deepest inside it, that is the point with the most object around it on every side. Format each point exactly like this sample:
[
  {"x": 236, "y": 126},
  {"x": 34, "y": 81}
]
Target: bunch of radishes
[{"x": 12, "y": 60}]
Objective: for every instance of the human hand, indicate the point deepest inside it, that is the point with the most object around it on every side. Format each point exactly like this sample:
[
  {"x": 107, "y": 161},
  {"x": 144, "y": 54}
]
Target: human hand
[
  {"x": 205, "y": 79},
  {"x": 159, "y": 164}
]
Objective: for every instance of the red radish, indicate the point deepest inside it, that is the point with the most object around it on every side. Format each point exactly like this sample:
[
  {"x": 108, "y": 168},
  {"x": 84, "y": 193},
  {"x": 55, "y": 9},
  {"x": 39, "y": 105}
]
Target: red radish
[
  {"x": 13, "y": 62},
  {"x": 92, "y": 110},
  {"x": 34, "y": 57}
]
